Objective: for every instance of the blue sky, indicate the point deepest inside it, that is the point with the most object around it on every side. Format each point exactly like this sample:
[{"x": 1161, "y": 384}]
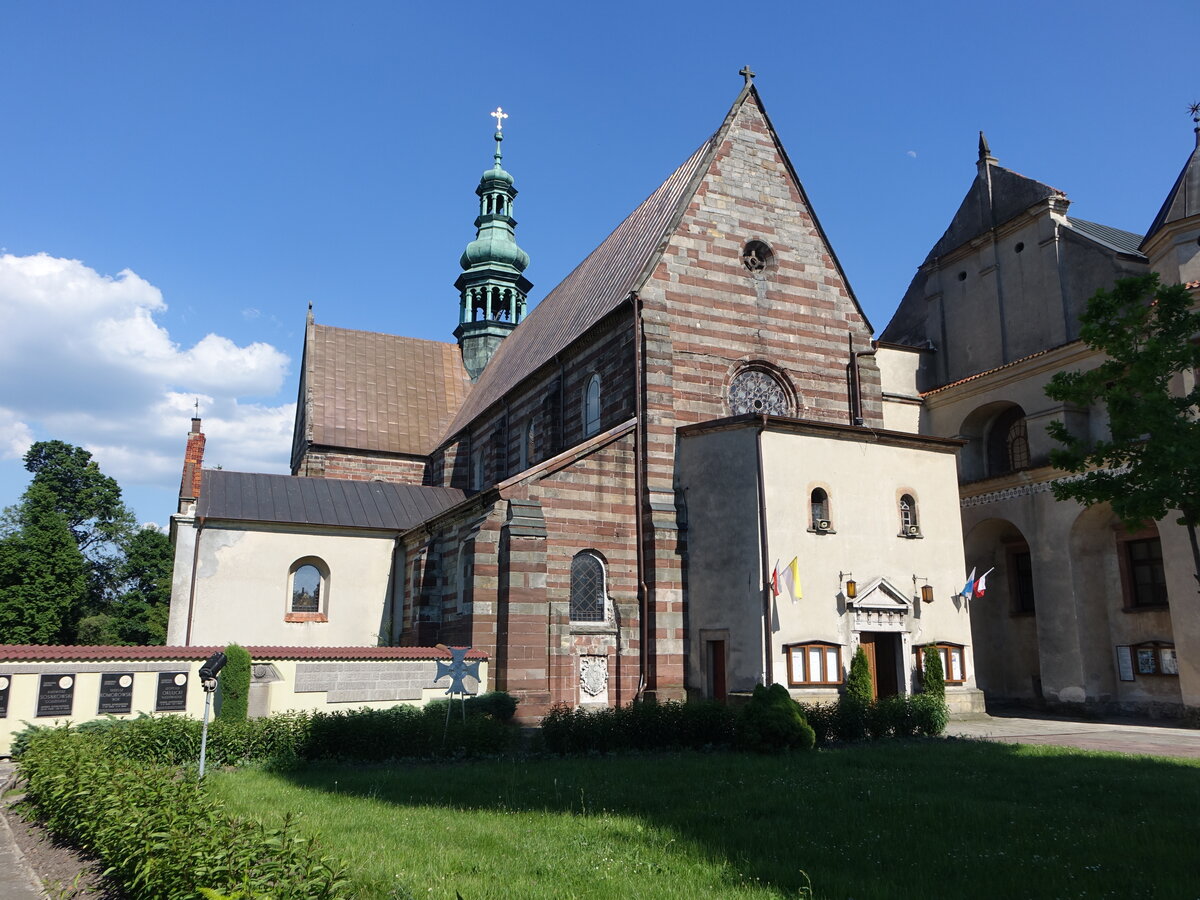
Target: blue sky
[{"x": 178, "y": 181}]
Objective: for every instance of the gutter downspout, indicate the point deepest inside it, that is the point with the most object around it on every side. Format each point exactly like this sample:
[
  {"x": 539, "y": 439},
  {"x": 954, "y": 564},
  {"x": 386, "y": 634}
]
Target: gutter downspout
[
  {"x": 639, "y": 488},
  {"x": 187, "y": 640},
  {"x": 768, "y": 667}
]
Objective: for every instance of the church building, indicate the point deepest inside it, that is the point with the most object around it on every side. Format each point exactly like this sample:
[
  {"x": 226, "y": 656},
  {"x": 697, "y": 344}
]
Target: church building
[{"x": 688, "y": 469}]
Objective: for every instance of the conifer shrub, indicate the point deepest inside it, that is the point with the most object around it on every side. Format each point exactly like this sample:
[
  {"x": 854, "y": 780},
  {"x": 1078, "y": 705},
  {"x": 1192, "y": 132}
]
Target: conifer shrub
[
  {"x": 858, "y": 682},
  {"x": 772, "y": 721},
  {"x": 933, "y": 679},
  {"x": 234, "y": 681}
]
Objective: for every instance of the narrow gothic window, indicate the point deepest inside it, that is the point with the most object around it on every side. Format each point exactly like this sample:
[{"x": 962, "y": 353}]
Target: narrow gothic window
[
  {"x": 908, "y": 515},
  {"x": 819, "y": 504},
  {"x": 529, "y": 447},
  {"x": 591, "y": 406},
  {"x": 587, "y": 588}
]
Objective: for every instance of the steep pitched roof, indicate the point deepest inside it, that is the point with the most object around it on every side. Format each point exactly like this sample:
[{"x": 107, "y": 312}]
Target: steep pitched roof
[
  {"x": 370, "y": 391},
  {"x": 604, "y": 280},
  {"x": 251, "y": 497},
  {"x": 996, "y": 195},
  {"x": 1184, "y": 198},
  {"x": 596, "y": 287}
]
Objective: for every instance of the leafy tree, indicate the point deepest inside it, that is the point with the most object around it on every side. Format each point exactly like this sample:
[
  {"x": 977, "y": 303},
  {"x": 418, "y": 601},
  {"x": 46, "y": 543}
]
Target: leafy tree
[
  {"x": 43, "y": 574},
  {"x": 1151, "y": 463},
  {"x": 89, "y": 499},
  {"x": 234, "y": 681},
  {"x": 127, "y": 572}
]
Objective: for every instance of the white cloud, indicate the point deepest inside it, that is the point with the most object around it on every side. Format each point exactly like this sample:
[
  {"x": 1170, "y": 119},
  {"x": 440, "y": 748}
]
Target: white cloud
[
  {"x": 912, "y": 153},
  {"x": 15, "y": 435},
  {"x": 83, "y": 360}
]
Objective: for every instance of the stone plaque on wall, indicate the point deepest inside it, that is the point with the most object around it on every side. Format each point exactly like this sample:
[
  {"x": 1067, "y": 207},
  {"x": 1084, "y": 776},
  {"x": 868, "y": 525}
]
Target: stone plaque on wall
[
  {"x": 116, "y": 692},
  {"x": 56, "y": 695},
  {"x": 5, "y": 682},
  {"x": 172, "y": 692}
]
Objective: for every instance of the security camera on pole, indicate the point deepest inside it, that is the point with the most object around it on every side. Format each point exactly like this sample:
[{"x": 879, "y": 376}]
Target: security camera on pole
[{"x": 208, "y": 680}]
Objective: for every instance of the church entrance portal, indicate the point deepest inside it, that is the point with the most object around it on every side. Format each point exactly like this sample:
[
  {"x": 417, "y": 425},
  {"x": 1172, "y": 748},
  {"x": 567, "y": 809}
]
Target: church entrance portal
[{"x": 883, "y": 656}]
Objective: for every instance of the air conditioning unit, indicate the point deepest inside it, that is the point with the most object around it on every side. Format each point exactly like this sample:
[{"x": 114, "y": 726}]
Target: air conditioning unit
[
  {"x": 913, "y": 530},
  {"x": 823, "y": 525}
]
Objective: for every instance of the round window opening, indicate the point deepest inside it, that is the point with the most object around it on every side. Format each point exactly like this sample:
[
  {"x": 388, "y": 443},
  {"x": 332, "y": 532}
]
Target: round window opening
[
  {"x": 756, "y": 256},
  {"x": 758, "y": 392}
]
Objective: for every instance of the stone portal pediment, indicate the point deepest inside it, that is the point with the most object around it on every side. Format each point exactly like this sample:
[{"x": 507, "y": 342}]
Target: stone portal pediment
[{"x": 880, "y": 606}]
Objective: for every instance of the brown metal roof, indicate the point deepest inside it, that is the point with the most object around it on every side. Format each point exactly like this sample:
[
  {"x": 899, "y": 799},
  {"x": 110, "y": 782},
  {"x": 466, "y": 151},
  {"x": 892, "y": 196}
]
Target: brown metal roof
[
  {"x": 253, "y": 497},
  {"x": 66, "y": 653},
  {"x": 596, "y": 287},
  {"x": 370, "y": 391}
]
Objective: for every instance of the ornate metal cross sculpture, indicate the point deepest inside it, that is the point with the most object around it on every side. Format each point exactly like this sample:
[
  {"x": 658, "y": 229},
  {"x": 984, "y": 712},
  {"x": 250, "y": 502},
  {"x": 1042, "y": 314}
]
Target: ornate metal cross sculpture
[
  {"x": 458, "y": 668},
  {"x": 499, "y": 115}
]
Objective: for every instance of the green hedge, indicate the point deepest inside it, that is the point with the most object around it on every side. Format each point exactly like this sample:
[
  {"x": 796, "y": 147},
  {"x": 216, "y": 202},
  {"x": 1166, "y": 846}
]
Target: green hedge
[
  {"x": 898, "y": 716},
  {"x": 639, "y": 726},
  {"x": 480, "y": 728},
  {"x": 158, "y": 833},
  {"x": 234, "y": 681}
]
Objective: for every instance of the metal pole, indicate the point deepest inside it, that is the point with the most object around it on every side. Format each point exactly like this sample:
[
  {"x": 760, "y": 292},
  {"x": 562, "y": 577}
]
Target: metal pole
[{"x": 204, "y": 731}]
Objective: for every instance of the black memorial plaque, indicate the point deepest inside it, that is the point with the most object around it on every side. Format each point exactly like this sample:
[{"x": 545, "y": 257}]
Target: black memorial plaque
[
  {"x": 116, "y": 692},
  {"x": 56, "y": 695},
  {"x": 172, "y": 692},
  {"x": 5, "y": 682}
]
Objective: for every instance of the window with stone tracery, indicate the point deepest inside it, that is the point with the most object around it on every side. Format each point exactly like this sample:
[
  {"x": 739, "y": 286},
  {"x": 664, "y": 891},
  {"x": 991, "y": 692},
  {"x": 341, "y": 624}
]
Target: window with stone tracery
[{"x": 755, "y": 390}]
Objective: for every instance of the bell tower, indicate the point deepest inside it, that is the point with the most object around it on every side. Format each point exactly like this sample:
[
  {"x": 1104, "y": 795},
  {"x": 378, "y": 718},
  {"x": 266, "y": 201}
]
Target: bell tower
[{"x": 492, "y": 288}]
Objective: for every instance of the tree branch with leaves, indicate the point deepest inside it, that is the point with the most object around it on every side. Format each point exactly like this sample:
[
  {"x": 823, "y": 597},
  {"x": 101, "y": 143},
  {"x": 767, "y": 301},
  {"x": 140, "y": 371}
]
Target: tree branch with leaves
[{"x": 1150, "y": 463}]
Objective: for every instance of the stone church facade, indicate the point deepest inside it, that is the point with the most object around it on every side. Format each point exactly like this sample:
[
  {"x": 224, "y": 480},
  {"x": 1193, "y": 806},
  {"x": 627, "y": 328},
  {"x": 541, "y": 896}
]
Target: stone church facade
[{"x": 604, "y": 493}]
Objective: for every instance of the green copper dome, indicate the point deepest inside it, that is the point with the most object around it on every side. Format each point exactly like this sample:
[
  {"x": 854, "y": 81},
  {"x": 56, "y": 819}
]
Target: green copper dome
[{"x": 494, "y": 247}]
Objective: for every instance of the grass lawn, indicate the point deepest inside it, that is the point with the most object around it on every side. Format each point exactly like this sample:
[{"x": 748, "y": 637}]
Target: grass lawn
[{"x": 920, "y": 819}]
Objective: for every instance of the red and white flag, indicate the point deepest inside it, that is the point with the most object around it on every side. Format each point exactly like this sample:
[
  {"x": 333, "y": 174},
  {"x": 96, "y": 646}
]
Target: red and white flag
[{"x": 981, "y": 584}]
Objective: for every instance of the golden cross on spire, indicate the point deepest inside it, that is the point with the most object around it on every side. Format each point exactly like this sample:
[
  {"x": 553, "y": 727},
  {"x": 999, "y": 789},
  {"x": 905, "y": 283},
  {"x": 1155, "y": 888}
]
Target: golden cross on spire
[{"x": 499, "y": 115}]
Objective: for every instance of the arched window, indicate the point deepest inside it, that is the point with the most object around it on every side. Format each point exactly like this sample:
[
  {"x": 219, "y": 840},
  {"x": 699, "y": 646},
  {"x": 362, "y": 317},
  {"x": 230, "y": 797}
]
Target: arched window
[
  {"x": 909, "y": 525},
  {"x": 587, "y": 588},
  {"x": 591, "y": 406},
  {"x": 308, "y": 591},
  {"x": 819, "y": 510},
  {"x": 477, "y": 464},
  {"x": 1008, "y": 442}
]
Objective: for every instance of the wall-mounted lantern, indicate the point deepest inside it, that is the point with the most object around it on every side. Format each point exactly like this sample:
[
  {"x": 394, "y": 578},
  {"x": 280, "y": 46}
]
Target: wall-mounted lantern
[{"x": 851, "y": 584}]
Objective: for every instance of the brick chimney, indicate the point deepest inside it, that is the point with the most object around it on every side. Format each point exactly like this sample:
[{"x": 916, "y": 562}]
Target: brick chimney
[{"x": 193, "y": 460}]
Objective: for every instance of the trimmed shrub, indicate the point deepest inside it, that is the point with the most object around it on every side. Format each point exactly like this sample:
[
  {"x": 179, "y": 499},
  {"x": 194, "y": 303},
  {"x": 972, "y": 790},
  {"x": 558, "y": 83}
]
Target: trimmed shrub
[
  {"x": 772, "y": 721},
  {"x": 930, "y": 714},
  {"x": 933, "y": 679},
  {"x": 858, "y": 682},
  {"x": 497, "y": 704},
  {"x": 234, "y": 681},
  {"x": 645, "y": 725},
  {"x": 159, "y": 834}
]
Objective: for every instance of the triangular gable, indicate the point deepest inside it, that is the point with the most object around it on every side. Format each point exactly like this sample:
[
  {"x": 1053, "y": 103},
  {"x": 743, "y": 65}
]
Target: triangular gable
[
  {"x": 881, "y": 594},
  {"x": 1183, "y": 200}
]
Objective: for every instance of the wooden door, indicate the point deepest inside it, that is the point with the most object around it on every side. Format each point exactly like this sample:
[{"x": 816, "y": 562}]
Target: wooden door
[
  {"x": 867, "y": 642},
  {"x": 881, "y": 649},
  {"x": 716, "y": 671}
]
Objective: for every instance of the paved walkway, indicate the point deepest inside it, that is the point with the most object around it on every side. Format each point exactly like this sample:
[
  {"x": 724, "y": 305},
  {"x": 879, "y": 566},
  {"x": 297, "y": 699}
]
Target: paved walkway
[
  {"x": 17, "y": 880},
  {"x": 1138, "y": 736}
]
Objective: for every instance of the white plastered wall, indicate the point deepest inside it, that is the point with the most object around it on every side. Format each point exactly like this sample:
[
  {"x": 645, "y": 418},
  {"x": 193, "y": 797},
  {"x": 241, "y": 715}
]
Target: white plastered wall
[{"x": 241, "y": 587}]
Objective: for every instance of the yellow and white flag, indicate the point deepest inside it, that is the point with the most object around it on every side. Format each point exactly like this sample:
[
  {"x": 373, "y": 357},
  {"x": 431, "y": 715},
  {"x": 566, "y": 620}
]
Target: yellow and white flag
[{"x": 789, "y": 579}]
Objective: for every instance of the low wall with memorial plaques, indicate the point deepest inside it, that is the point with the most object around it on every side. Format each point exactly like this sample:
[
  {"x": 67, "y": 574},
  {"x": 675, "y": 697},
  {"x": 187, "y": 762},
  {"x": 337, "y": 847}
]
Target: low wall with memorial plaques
[{"x": 57, "y": 684}]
